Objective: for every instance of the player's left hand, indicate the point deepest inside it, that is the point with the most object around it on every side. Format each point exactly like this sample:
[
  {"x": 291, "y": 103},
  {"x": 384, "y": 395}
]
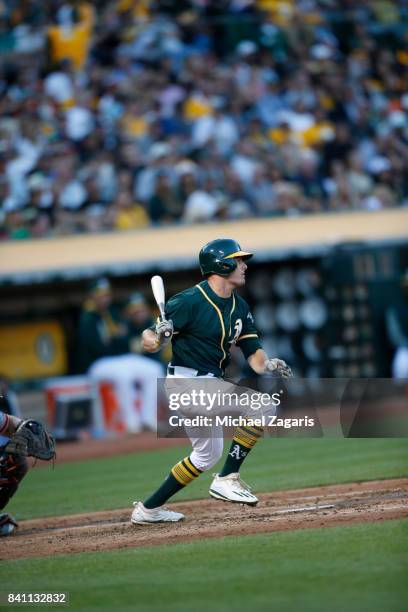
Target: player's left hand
[{"x": 278, "y": 367}]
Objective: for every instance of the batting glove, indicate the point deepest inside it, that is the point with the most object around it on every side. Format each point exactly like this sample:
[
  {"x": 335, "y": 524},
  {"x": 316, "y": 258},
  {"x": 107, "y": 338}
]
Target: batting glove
[
  {"x": 164, "y": 331},
  {"x": 278, "y": 367}
]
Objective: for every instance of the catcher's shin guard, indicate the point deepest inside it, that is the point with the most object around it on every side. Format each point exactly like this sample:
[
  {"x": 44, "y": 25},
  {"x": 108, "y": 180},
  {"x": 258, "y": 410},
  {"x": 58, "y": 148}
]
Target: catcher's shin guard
[
  {"x": 7, "y": 524},
  {"x": 12, "y": 471}
]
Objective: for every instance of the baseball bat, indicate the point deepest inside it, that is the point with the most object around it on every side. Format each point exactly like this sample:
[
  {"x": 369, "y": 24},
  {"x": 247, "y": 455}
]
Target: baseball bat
[{"x": 159, "y": 296}]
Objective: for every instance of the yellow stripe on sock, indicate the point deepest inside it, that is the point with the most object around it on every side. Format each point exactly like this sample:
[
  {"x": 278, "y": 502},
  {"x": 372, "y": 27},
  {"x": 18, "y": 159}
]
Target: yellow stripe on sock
[
  {"x": 188, "y": 463},
  {"x": 243, "y": 442},
  {"x": 252, "y": 431},
  {"x": 242, "y": 431},
  {"x": 245, "y": 437},
  {"x": 178, "y": 478},
  {"x": 183, "y": 473},
  {"x": 193, "y": 467},
  {"x": 247, "y": 441},
  {"x": 187, "y": 475},
  {"x": 179, "y": 475},
  {"x": 187, "y": 470}
]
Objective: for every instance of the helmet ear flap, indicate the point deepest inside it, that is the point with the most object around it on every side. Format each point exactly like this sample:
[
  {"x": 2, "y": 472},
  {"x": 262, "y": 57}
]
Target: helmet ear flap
[{"x": 224, "y": 267}]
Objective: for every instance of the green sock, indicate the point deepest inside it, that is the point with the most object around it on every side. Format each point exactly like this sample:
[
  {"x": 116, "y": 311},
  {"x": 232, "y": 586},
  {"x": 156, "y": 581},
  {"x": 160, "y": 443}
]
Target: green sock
[
  {"x": 243, "y": 441},
  {"x": 181, "y": 475},
  {"x": 169, "y": 487}
]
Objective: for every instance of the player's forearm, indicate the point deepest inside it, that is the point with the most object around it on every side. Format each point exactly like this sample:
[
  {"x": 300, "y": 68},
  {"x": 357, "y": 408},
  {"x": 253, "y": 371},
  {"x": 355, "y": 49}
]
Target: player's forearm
[
  {"x": 262, "y": 364},
  {"x": 150, "y": 341},
  {"x": 257, "y": 361}
]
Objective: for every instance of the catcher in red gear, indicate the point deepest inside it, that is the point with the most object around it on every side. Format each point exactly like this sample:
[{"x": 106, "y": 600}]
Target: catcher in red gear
[
  {"x": 13, "y": 468},
  {"x": 19, "y": 439}
]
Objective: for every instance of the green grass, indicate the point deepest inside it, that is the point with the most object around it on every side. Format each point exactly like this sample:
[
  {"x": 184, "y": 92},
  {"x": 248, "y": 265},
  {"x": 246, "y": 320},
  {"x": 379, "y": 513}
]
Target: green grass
[
  {"x": 360, "y": 568},
  {"x": 273, "y": 464}
]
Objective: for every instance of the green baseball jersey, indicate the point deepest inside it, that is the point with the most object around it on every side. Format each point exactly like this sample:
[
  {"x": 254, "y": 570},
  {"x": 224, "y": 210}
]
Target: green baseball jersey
[{"x": 206, "y": 326}]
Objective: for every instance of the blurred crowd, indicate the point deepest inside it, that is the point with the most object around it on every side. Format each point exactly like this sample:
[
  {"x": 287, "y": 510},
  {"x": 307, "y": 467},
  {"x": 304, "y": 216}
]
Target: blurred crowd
[{"x": 120, "y": 114}]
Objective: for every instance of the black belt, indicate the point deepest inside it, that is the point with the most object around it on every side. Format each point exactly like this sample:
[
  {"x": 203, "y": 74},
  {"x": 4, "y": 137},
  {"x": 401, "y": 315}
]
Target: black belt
[{"x": 171, "y": 369}]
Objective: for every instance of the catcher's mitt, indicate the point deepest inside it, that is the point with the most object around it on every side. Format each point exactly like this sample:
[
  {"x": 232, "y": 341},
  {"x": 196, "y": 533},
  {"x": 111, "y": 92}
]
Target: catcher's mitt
[{"x": 32, "y": 440}]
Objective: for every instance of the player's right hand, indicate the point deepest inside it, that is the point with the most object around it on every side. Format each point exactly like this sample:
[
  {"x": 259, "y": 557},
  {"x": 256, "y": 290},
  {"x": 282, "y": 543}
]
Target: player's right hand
[
  {"x": 164, "y": 331},
  {"x": 278, "y": 367}
]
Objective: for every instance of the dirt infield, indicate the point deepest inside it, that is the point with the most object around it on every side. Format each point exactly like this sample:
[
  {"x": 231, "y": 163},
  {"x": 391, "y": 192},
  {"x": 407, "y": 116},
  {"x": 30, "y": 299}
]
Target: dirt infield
[{"x": 279, "y": 511}]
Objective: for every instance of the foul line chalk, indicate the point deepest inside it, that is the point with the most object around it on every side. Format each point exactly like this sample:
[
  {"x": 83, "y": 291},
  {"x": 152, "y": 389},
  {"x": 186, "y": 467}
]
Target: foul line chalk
[{"x": 304, "y": 509}]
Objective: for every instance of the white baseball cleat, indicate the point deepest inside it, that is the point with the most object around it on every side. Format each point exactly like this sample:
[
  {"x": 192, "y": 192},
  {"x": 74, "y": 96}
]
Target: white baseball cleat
[
  {"x": 232, "y": 488},
  {"x": 143, "y": 516}
]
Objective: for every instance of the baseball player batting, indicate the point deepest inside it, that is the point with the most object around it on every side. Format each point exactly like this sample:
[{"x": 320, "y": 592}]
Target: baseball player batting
[{"x": 202, "y": 323}]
